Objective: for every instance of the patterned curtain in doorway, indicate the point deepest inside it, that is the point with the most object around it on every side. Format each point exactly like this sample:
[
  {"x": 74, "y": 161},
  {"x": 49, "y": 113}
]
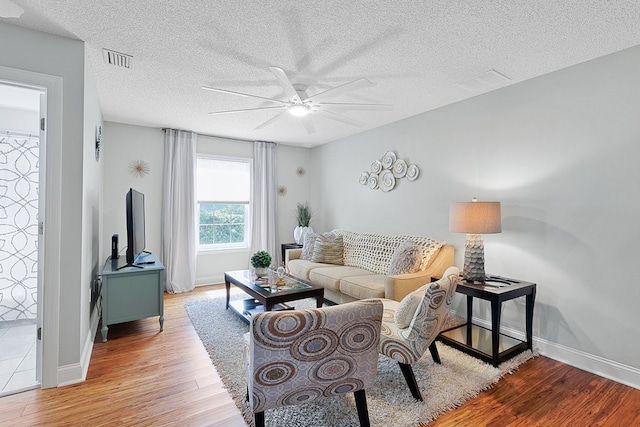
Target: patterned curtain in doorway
[{"x": 18, "y": 226}]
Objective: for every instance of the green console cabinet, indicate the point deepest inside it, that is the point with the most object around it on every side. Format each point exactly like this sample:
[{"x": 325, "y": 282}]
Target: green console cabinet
[{"x": 132, "y": 293}]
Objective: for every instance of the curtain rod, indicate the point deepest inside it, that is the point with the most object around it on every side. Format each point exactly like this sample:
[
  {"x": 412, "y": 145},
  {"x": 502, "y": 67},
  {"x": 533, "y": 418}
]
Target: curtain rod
[
  {"x": 16, "y": 133},
  {"x": 211, "y": 135},
  {"x": 217, "y": 136}
]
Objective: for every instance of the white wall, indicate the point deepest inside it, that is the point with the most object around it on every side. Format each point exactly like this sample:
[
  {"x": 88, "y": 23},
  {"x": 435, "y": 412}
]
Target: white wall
[
  {"x": 122, "y": 145},
  {"x": 126, "y": 143},
  {"x": 49, "y": 55},
  {"x": 561, "y": 153}
]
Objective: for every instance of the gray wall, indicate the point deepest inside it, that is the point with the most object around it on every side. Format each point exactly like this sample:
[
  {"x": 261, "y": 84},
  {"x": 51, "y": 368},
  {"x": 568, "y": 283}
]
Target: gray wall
[
  {"x": 56, "y": 56},
  {"x": 561, "y": 153}
]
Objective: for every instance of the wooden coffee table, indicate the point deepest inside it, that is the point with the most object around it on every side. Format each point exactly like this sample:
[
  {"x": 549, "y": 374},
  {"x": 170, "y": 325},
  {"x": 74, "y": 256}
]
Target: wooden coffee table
[{"x": 263, "y": 297}]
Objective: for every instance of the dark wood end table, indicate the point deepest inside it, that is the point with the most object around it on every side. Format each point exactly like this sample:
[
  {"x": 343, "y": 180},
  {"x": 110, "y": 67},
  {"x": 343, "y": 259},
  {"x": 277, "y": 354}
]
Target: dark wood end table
[
  {"x": 285, "y": 246},
  {"x": 490, "y": 345},
  {"x": 263, "y": 298}
]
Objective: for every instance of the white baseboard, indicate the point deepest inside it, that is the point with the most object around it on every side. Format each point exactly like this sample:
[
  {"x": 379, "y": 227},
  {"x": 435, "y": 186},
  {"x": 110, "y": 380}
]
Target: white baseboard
[
  {"x": 77, "y": 372},
  {"x": 212, "y": 280},
  {"x": 597, "y": 365}
]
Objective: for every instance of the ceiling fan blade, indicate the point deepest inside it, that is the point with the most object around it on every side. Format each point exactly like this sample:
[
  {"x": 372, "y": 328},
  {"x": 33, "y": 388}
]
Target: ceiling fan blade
[
  {"x": 271, "y": 120},
  {"x": 213, "y": 89},
  {"x": 244, "y": 110},
  {"x": 308, "y": 124},
  {"x": 286, "y": 84},
  {"x": 339, "y": 118},
  {"x": 350, "y": 107},
  {"x": 339, "y": 90}
]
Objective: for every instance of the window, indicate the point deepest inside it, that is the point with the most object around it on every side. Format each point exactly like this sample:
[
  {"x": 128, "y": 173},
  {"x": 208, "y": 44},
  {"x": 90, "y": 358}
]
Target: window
[{"x": 223, "y": 194}]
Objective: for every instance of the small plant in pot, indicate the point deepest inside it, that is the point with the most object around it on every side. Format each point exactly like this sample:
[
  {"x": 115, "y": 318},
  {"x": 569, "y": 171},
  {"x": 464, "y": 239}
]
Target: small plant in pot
[
  {"x": 261, "y": 260},
  {"x": 303, "y": 216}
]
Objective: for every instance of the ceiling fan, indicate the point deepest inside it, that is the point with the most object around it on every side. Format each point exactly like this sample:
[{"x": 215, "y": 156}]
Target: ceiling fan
[{"x": 301, "y": 105}]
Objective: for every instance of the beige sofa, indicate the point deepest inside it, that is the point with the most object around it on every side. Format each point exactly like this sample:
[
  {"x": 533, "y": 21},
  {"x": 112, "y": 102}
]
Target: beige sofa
[{"x": 366, "y": 260}]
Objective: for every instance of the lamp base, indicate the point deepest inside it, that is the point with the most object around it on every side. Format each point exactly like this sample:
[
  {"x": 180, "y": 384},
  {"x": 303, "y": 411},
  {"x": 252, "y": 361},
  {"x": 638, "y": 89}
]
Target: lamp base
[{"x": 473, "y": 270}]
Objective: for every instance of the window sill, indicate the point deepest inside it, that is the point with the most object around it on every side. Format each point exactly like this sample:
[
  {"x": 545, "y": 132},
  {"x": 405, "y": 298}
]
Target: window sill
[{"x": 211, "y": 251}]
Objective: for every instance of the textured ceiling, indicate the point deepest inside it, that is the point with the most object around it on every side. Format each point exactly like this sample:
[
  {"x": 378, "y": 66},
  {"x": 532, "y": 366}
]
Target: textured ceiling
[{"x": 415, "y": 51}]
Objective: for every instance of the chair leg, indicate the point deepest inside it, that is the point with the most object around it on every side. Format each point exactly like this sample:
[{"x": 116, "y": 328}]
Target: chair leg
[
  {"x": 258, "y": 419},
  {"x": 361, "y": 405},
  {"x": 407, "y": 371},
  {"x": 434, "y": 353}
]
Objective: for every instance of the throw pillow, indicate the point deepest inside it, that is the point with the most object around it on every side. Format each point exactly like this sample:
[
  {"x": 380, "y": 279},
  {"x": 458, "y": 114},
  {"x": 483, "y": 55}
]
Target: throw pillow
[
  {"x": 406, "y": 259},
  {"x": 328, "y": 249},
  {"x": 408, "y": 306},
  {"x": 307, "y": 246}
]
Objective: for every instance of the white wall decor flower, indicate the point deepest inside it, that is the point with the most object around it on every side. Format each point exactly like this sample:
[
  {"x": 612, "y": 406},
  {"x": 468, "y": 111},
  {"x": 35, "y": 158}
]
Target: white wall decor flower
[
  {"x": 376, "y": 167},
  {"x": 399, "y": 168},
  {"x": 388, "y": 159},
  {"x": 373, "y": 181},
  {"x": 364, "y": 178},
  {"x": 412, "y": 173},
  {"x": 387, "y": 181},
  {"x": 385, "y": 172}
]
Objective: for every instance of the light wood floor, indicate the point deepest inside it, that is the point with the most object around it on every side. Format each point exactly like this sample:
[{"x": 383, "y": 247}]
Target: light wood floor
[{"x": 143, "y": 377}]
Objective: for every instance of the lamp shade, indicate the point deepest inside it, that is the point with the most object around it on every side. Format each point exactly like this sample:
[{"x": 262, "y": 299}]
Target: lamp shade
[{"x": 475, "y": 217}]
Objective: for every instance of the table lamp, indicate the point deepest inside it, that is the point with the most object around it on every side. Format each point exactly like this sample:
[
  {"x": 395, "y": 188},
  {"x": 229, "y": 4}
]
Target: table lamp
[{"x": 474, "y": 218}]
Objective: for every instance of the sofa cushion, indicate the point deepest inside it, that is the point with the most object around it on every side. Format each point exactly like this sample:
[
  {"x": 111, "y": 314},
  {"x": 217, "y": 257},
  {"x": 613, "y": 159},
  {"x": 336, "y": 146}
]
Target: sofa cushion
[
  {"x": 362, "y": 287},
  {"x": 307, "y": 246},
  {"x": 329, "y": 275},
  {"x": 406, "y": 259},
  {"x": 373, "y": 252},
  {"x": 328, "y": 249},
  {"x": 301, "y": 268},
  {"x": 408, "y": 306}
]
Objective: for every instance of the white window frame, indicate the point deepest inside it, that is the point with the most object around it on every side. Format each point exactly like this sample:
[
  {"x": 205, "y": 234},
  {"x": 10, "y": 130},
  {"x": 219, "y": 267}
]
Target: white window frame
[{"x": 245, "y": 244}]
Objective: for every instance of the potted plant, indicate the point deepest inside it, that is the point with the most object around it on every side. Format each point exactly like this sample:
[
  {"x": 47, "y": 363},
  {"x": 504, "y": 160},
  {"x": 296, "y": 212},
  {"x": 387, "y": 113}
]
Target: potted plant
[
  {"x": 261, "y": 260},
  {"x": 303, "y": 216}
]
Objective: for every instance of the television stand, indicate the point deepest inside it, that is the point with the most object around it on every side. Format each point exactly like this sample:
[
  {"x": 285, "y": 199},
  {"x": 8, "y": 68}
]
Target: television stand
[{"x": 131, "y": 292}]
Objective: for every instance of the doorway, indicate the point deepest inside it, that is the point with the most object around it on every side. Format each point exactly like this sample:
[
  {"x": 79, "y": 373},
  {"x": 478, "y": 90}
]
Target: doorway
[{"x": 20, "y": 272}]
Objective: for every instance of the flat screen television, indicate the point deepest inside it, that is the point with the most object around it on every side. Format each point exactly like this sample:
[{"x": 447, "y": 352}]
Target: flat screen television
[{"x": 135, "y": 225}]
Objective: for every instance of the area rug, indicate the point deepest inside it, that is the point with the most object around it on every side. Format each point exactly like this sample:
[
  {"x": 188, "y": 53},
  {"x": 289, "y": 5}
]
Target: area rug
[{"x": 444, "y": 387}]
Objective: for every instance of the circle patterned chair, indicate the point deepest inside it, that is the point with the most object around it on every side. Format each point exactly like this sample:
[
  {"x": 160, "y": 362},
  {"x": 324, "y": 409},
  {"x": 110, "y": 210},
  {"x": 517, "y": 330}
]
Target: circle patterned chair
[
  {"x": 297, "y": 356},
  {"x": 410, "y": 327}
]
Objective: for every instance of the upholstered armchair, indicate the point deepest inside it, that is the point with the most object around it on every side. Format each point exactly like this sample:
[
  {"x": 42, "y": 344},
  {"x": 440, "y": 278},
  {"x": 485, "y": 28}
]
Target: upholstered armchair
[
  {"x": 410, "y": 327},
  {"x": 297, "y": 356}
]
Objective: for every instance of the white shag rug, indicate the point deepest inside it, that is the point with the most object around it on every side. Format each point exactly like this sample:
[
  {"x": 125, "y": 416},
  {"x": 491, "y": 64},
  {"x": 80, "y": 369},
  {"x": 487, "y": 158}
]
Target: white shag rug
[{"x": 443, "y": 387}]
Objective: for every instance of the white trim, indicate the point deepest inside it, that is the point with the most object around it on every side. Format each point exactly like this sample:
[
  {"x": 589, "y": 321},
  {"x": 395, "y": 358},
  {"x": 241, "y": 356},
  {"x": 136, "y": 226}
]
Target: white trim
[
  {"x": 210, "y": 251},
  {"x": 77, "y": 372},
  {"x": 597, "y": 365},
  {"x": 211, "y": 280},
  {"x": 70, "y": 374},
  {"x": 52, "y": 188}
]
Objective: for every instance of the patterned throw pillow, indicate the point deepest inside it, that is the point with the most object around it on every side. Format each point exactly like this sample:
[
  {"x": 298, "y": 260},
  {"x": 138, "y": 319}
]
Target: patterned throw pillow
[
  {"x": 408, "y": 306},
  {"x": 328, "y": 249},
  {"x": 307, "y": 246},
  {"x": 406, "y": 259}
]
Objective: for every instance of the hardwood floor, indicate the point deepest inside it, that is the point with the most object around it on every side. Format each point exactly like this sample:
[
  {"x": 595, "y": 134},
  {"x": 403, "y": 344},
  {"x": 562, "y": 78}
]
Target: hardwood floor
[{"x": 143, "y": 377}]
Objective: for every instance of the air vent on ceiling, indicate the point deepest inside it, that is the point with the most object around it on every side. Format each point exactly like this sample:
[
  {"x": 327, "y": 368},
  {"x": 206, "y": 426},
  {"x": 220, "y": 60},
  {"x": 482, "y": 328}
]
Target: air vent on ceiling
[
  {"x": 486, "y": 81},
  {"x": 116, "y": 58}
]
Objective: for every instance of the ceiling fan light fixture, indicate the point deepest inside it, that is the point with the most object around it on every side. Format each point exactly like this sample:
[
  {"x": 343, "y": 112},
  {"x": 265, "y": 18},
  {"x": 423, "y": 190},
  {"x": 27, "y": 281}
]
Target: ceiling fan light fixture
[{"x": 299, "y": 110}]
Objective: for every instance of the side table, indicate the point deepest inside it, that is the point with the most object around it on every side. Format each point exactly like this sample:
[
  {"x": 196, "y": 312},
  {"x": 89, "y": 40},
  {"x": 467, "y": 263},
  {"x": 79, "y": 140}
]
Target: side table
[
  {"x": 490, "y": 345},
  {"x": 286, "y": 246}
]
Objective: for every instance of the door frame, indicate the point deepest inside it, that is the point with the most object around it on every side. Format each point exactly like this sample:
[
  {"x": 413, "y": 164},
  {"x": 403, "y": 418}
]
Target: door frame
[{"x": 49, "y": 196}]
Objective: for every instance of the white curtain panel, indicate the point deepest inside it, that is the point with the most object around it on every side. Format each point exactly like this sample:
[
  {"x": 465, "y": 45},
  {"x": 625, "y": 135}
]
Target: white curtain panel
[
  {"x": 178, "y": 211},
  {"x": 263, "y": 208}
]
